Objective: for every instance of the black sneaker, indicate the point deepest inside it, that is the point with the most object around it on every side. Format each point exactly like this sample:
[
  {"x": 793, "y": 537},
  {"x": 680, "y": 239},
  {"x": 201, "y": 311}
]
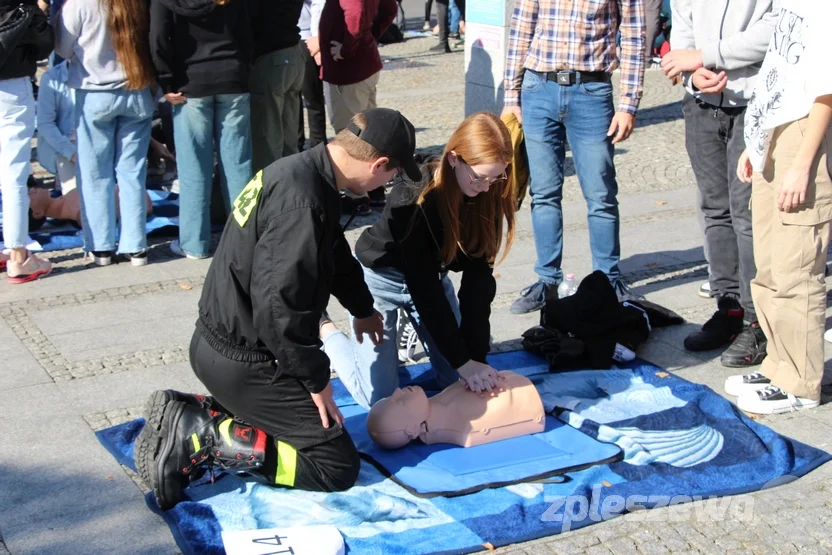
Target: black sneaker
[
  {"x": 534, "y": 297},
  {"x": 136, "y": 258},
  {"x": 739, "y": 385},
  {"x": 723, "y": 327},
  {"x": 442, "y": 47},
  {"x": 102, "y": 258},
  {"x": 625, "y": 293},
  {"x": 748, "y": 349},
  {"x": 406, "y": 337}
]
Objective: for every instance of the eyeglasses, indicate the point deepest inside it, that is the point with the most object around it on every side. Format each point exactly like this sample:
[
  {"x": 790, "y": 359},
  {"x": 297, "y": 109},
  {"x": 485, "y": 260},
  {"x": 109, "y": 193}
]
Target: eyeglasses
[{"x": 499, "y": 181}]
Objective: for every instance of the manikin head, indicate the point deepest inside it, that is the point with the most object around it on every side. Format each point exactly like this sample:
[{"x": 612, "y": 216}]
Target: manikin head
[{"x": 397, "y": 420}]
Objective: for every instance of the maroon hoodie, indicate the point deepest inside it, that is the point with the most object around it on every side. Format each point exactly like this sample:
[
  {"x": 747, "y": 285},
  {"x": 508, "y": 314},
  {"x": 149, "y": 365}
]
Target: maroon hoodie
[{"x": 357, "y": 24}]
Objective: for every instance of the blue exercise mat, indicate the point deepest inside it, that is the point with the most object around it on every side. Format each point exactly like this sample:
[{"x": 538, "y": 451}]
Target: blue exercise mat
[
  {"x": 449, "y": 470},
  {"x": 680, "y": 442}
]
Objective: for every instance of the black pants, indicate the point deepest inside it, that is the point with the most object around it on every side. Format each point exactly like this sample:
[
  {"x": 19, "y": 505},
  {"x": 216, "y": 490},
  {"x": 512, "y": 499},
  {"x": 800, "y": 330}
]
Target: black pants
[
  {"x": 714, "y": 141},
  {"x": 443, "y": 15},
  {"x": 325, "y": 460},
  {"x": 312, "y": 93},
  {"x": 427, "y": 10}
]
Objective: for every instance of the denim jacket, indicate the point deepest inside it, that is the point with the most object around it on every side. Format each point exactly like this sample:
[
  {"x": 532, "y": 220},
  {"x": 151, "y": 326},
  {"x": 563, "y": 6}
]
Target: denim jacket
[{"x": 56, "y": 117}]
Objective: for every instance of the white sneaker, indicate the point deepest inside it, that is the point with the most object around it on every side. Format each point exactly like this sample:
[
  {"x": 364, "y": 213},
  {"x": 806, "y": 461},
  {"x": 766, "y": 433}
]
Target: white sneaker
[
  {"x": 705, "y": 290},
  {"x": 828, "y": 335},
  {"x": 773, "y": 400},
  {"x": 738, "y": 385},
  {"x": 176, "y": 249}
]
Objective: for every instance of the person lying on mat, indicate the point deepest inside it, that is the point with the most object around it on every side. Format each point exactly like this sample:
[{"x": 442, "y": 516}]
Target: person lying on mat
[
  {"x": 458, "y": 416},
  {"x": 66, "y": 207},
  {"x": 256, "y": 346},
  {"x": 456, "y": 221}
]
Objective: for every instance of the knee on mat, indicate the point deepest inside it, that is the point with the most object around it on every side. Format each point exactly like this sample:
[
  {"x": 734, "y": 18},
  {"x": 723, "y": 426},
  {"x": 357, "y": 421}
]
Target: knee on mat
[{"x": 342, "y": 472}]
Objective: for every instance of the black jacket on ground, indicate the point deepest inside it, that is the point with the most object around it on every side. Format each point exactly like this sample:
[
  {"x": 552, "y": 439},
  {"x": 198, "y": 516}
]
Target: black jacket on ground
[
  {"x": 25, "y": 38},
  {"x": 274, "y": 25},
  {"x": 281, "y": 255},
  {"x": 199, "y": 48},
  {"x": 408, "y": 238}
]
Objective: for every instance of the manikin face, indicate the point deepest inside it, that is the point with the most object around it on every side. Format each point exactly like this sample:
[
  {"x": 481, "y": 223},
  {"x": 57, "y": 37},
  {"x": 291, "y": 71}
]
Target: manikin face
[
  {"x": 479, "y": 178},
  {"x": 396, "y": 420}
]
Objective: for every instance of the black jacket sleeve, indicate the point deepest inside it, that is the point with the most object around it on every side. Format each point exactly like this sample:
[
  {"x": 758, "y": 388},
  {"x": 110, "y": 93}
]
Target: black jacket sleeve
[
  {"x": 39, "y": 37},
  {"x": 421, "y": 273},
  {"x": 161, "y": 45},
  {"x": 476, "y": 293},
  {"x": 348, "y": 282},
  {"x": 285, "y": 283}
]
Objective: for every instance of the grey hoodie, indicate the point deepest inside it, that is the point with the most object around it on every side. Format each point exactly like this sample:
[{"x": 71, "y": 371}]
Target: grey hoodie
[
  {"x": 733, "y": 35},
  {"x": 81, "y": 33}
]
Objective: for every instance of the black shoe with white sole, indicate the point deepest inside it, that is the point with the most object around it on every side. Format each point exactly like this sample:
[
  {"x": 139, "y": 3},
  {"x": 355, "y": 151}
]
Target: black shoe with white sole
[
  {"x": 773, "y": 400},
  {"x": 738, "y": 385}
]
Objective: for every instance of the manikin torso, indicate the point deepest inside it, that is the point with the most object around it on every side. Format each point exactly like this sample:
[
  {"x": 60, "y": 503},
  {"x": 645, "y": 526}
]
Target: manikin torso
[{"x": 457, "y": 415}]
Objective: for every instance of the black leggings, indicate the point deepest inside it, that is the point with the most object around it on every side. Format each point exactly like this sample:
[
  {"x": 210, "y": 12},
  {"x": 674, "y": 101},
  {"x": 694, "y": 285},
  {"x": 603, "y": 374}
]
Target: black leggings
[
  {"x": 311, "y": 457},
  {"x": 428, "y": 4}
]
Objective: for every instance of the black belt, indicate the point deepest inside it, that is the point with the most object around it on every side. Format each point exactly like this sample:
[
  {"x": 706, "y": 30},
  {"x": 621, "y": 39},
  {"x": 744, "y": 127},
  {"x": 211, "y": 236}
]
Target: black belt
[{"x": 569, "y": 77}]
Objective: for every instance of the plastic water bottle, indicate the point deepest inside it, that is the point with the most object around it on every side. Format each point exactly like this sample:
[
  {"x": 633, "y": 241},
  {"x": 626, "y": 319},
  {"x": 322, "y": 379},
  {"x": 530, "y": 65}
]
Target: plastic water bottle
[{"x": 568, "y": 286}]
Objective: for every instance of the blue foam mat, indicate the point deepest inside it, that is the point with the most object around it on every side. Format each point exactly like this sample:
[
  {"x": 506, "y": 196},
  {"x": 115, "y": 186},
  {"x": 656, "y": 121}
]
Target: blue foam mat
[{"x": 639, "y": 408}]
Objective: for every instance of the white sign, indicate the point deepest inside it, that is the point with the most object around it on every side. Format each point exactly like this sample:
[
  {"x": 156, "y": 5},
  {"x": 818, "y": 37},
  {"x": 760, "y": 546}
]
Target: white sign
[{"x": 300, "y": 540}]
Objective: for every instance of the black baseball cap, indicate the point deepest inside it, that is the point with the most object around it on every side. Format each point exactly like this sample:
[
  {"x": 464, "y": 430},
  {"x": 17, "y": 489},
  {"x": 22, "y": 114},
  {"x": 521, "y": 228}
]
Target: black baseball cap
[{"x": 391, "y": 134}]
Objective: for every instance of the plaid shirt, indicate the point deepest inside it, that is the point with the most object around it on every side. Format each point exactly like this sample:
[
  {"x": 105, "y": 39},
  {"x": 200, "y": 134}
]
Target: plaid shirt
[{"x": 549, "y": 35}]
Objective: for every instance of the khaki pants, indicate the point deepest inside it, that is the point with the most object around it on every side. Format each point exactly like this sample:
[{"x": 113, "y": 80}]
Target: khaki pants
[
  {"x": 790, "y": 250},
  {"x": 344, "y": 101},
  {"x": 276, "y": 81}
]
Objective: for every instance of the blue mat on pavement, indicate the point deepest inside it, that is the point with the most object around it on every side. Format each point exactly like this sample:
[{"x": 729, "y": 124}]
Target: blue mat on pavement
[{"x": 680, "y": 442}]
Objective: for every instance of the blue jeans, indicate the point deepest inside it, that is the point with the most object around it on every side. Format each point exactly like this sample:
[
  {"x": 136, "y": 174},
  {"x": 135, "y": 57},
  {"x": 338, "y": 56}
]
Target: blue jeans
[
  {"x": 580, "y": 114},
  {"x": 113, "y": 136},
  {"x": 197, "y": 124},
  {"x": 455, "y": 16},
  {"x": 370, "y": 372},
  {"x": 17, "y": 126}
]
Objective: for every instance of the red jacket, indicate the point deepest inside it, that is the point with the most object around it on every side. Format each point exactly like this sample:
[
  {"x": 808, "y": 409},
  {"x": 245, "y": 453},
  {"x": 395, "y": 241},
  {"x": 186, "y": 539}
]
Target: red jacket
[{"x": 357, "y": 24}]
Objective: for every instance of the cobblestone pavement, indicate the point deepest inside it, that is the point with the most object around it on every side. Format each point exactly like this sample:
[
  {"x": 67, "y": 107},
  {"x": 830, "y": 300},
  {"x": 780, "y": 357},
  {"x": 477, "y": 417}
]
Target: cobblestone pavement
[{"x": 84, "y": 347}]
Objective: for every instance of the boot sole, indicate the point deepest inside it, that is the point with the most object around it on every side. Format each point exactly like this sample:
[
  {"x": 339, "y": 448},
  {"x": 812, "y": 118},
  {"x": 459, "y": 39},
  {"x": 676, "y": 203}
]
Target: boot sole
[{"x": 154, "y": 445}]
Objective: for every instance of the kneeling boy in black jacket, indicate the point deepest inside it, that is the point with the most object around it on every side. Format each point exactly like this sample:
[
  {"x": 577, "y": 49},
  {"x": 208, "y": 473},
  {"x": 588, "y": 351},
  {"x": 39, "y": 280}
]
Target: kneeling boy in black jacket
[{"x": 256, "y": 345}]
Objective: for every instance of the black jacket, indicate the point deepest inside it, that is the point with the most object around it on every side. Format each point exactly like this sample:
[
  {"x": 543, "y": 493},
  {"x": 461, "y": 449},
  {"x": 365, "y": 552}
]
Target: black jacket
[
  {"x": 274, "y": 25},
  {"x": 408, "y": 238},
  {"x": 280, "y": 257},
  {"x": 199, "y": 48},
  {"x": 25, "y": 38}
]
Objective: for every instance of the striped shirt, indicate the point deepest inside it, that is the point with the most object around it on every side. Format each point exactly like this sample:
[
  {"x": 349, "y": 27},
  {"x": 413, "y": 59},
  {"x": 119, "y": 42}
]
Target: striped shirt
[{"x": 551, "y": 35}]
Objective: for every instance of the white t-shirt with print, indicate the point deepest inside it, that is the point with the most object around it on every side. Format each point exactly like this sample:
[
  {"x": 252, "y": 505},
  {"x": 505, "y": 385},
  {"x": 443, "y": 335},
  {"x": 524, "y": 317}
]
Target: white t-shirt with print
[{"x": 797, "y": 70}]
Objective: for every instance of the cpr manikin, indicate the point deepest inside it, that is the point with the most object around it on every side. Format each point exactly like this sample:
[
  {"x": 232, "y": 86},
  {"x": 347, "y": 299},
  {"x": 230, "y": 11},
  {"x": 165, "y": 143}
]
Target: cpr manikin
[{"x": 457, "y": 415}]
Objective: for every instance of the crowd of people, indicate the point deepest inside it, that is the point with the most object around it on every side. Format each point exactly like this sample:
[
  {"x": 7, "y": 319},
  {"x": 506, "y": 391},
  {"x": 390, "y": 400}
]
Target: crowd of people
[{"x": 757, "y": 112}]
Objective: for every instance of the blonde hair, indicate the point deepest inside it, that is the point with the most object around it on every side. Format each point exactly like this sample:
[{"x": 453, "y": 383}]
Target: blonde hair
[{"x": 475, "y": 225}]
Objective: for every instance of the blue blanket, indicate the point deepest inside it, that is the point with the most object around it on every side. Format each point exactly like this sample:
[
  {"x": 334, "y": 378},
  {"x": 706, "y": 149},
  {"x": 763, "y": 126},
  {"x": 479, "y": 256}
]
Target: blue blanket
[{"x": 681, "y": 442}]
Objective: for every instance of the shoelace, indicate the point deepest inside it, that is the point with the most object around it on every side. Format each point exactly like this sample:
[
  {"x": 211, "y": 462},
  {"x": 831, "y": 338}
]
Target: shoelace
[
  {"x": 409, "y": 340},
  {"x": 752, "y": 376},
  {"x": 525, "y": 292}
]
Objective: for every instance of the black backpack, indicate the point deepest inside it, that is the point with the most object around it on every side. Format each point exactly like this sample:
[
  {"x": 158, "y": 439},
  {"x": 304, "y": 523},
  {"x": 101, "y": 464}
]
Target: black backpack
[{"x": 391, "y": 35}]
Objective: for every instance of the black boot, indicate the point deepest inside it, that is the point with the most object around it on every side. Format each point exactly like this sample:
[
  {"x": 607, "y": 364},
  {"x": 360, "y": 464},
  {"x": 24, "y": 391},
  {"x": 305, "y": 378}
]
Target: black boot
[
  {"x": 721, "y": 329},
  {"x": 155, "y": 406},
  {"x": 191, "y": 437},
  {"x": 748, "y": 349}
]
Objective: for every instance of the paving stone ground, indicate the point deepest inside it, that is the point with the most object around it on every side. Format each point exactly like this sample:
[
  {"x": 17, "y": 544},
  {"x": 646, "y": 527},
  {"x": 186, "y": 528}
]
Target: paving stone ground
[{"x": 84, "y": 347}]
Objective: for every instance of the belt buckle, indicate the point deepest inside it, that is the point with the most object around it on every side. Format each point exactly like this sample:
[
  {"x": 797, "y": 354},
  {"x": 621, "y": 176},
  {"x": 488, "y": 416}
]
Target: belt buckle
[{"x": 564, "y": 77}]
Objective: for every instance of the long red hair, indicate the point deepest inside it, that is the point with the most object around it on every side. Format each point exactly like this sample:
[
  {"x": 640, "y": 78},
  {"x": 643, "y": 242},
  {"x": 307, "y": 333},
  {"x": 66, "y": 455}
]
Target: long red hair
[
  {"x": 475, "y": 225},
  {"x": 128, "y": 22}
]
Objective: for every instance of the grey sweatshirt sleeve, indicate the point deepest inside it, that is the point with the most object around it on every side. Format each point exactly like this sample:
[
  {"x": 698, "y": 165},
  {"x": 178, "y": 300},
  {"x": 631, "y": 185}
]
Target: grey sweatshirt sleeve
[
  {"x": 741, "y": 49},
  {"x": 68, "y": 24},
  {"x": 682, "y": 36}
]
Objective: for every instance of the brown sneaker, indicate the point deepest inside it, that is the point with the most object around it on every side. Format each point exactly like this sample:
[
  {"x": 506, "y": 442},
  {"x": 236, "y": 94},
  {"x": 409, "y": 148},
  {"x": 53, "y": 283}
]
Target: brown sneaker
[{"x": 30, "y": 270}]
